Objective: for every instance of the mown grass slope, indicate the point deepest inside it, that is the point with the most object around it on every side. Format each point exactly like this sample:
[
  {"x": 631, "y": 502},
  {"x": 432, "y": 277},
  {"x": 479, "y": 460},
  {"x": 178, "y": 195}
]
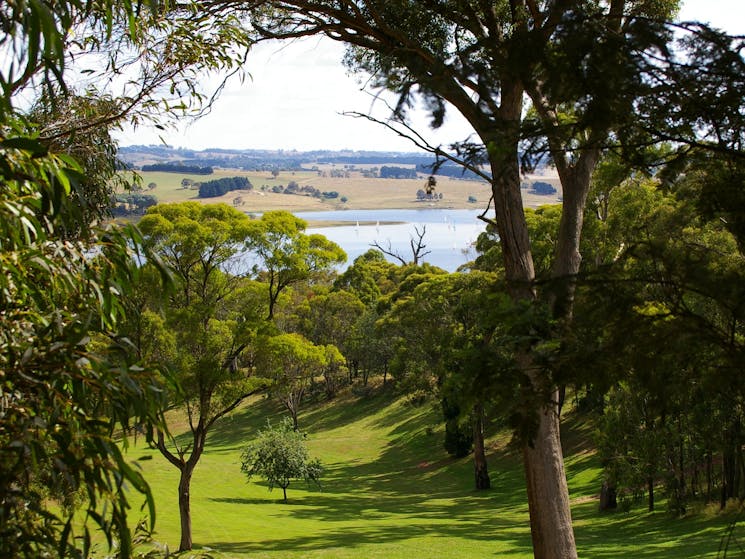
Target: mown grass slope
[{"x": 390, "y": 491}]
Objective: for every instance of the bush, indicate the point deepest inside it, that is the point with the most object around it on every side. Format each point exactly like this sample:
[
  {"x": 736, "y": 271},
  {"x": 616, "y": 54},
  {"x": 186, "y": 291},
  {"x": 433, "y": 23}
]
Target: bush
[{"x": 279, "y": 455}]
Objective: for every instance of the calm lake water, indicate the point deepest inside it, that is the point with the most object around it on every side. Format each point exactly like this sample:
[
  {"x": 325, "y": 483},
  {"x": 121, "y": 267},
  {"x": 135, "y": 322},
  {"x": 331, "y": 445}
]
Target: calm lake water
[{"x": 449, "y": 236}]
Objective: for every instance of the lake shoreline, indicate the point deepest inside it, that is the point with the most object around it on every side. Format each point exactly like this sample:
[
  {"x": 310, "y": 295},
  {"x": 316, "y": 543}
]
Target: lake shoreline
[{"x": 449, "y": 235}]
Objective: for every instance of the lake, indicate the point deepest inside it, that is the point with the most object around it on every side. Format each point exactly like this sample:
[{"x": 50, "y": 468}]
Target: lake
[{"x": 450, "y": 234}]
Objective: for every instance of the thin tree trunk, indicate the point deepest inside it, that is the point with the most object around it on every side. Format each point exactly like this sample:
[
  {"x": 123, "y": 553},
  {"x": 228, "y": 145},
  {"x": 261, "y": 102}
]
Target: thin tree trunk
[
  {"x": 709, "y": 480},
  {"x": 681, "y": 466},
  {"x": 650, "y": 492},
  {"x": 481, "y": 470},
  {"x": 184, "y": 506},
  {"x": 728, "y": 466}
]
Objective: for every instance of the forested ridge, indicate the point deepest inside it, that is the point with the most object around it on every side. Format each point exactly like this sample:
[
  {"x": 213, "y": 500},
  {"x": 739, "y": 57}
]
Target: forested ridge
[{"x": 621, "y": 308}]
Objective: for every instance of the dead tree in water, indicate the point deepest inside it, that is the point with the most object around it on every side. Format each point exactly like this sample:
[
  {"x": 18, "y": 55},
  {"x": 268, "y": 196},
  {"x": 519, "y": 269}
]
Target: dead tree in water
[{"x": 417, "y": 248}]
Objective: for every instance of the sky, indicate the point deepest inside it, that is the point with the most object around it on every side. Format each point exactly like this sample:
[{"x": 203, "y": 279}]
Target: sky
[{"x": 294, "y": 95}]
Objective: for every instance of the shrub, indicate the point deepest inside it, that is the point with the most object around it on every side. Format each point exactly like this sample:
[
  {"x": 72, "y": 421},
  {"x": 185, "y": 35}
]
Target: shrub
[{"x": 279, "y": 455}]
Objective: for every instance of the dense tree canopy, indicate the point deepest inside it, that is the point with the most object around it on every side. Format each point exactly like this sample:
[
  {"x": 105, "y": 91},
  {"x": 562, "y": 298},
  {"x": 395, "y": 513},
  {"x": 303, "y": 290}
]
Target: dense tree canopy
[{"x": 286, "y": 254}]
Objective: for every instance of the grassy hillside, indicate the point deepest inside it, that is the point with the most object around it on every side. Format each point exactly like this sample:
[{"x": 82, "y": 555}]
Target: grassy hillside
[
  {"x": 390, "y": 491},
  {"x": 361, "y": 192}
]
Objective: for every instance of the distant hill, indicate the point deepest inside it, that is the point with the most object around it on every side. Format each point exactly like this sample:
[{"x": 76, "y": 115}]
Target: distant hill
[
  {"x": 139, "y": 157},
  {"x": 261, "y": 160}
]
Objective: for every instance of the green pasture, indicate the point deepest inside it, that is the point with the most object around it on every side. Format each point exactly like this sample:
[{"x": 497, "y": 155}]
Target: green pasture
[
  {"x": 390, "y": 491},
  {"x": 169, "y": 188}
]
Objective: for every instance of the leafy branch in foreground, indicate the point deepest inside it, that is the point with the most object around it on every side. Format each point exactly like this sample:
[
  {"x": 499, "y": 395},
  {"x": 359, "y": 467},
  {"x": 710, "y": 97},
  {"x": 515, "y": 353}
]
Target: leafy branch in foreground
[{"x": 64, "y": 386}]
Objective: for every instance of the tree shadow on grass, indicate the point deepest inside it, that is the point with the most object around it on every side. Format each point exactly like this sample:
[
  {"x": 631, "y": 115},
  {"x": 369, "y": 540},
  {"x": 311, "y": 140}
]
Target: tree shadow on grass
[
  {"x": 646, "y": 535},
  {"x": 345, "y": 409},
  {"x": 410, "y": 521},
  {"x": 412, "y": 489}
]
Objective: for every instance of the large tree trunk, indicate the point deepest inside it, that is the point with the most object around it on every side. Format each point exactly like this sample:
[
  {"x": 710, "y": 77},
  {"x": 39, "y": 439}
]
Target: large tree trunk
[
  {"x": 481, "y": 470},
  {"x": 548, "y": 494}
]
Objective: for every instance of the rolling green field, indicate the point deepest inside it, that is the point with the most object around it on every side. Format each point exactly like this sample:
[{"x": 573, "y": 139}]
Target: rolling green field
[
  {"x": 361, "y": 192},
  {"x": 390, "y": 491}
]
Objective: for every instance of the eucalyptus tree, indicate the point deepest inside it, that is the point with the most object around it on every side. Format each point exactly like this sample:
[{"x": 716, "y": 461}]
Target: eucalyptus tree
[
  {"x": 286, "y": 254},
  {"x": 292, "y": 363},
  {"x": 330, "y": 318},
  {"x": 452, "y": 350},
  {"x": 368, "y": 277},
  {"x": 657, "y": 337},
  {"x": 213, "y": 316},
  {"x": 66, "y": 389}
]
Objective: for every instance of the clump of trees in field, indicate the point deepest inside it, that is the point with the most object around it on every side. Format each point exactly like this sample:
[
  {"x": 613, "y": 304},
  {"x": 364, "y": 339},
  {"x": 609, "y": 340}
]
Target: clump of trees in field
[
  {"x": 542, "y": 188},
  {"x": 390, "y": 172},
  {"x": 304, "y": 190},
  {"x": 132, "y": 204},
  {"x": 220, "y": 187}
]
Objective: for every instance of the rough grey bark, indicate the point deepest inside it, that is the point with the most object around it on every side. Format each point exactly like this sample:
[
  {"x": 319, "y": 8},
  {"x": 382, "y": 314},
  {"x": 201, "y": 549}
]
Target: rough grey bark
[{"x": 548, "y": 494}]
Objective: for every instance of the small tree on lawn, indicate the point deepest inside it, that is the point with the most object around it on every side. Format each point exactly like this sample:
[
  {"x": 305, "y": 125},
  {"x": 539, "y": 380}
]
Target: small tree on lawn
[{"x": 279, "y": 455}]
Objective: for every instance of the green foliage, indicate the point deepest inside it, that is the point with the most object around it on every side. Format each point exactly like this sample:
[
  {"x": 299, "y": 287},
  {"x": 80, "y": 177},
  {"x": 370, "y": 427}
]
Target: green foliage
[
  {"x": 286, "y": 254},
  {"x": 369, "y": 277},
  {"x": 60, "y": 122},
  {"x": 658, "y": 338},
  {"x": 219, "y": 187},
  {"x": 65, "y": 384},
  {"x": 203, "y": 329},
  {"x": 292, "y": 363},
  {"x": 279, "y": 455}
]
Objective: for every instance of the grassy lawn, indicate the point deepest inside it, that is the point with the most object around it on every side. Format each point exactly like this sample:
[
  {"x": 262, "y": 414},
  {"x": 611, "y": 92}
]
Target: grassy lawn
[{"x": 390, "y": 491}]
